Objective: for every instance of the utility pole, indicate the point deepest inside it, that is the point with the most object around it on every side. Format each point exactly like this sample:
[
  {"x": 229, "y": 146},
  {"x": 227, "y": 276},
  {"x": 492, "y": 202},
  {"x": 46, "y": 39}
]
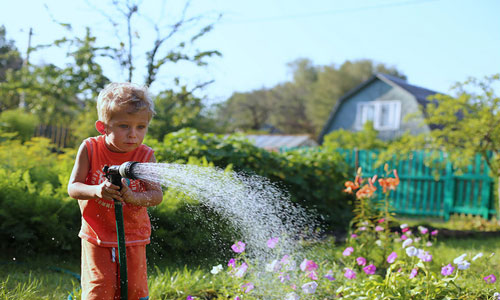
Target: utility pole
[{"x": 22, "y": 102}]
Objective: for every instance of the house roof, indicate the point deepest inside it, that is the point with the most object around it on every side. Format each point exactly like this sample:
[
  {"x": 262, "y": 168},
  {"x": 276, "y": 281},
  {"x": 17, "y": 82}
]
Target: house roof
[
  {"x": 280, "y": 141},
  {"x": 419, "y": 93}
]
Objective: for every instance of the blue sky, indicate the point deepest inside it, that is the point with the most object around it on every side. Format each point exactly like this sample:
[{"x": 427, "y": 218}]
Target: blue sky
[{"x": 434, "y": 42}]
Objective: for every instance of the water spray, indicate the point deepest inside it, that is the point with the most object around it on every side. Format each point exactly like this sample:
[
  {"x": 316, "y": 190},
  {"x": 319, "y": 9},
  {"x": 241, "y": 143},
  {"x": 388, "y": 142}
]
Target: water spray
[{"x": 115, "y": 174}]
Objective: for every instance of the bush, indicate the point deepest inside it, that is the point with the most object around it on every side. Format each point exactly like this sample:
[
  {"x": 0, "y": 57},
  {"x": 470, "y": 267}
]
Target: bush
[
  {"x": 314, "y": 179},
  {"x": 19, "y": 122},
  {"x": 34, "y": 216}
]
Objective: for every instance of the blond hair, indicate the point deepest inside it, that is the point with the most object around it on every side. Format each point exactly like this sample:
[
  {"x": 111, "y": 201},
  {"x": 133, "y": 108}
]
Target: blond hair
[{"x": 116, "y": 96}]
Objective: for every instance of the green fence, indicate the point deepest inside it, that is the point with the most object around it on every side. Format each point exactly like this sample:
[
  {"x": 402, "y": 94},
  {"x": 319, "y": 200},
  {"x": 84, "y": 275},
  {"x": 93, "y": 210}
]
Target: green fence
[{"x": 427, "y": 191}]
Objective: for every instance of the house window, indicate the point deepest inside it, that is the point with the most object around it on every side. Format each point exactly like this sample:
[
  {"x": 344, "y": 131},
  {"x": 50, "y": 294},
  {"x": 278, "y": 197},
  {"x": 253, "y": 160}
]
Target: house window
[{"x": 385, "y": 115}]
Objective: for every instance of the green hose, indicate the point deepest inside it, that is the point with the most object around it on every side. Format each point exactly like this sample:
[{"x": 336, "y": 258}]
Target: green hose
[
  {"x": 122, "y": 251},
  {"x": 116, "y": 179}
]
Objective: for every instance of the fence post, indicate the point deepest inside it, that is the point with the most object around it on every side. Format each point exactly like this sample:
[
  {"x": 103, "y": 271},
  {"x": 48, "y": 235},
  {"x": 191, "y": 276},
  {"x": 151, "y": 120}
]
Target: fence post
[{"x": 449, "y": 188}]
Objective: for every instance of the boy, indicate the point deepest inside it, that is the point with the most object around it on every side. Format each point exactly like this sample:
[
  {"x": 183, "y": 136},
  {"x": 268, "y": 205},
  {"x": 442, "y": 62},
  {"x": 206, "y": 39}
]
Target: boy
[{"x": 125, "y": 111}]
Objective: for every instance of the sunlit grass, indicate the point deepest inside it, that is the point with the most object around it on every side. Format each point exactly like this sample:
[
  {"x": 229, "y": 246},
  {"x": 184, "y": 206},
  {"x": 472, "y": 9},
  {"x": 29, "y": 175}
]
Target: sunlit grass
[{"x": 39, "y": 281}]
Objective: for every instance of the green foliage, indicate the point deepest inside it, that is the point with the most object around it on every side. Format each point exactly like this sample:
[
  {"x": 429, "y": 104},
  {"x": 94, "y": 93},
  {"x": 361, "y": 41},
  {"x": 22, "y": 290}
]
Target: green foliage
[
  {"x": 464, "y": 125},
  {"x": 364, "y": 139},
  {"x": 10, "y": 59},
  {"x": 19, "y": 122},
  {"x": 312, "y": 178},
  {"x": 35, "y": 216}
]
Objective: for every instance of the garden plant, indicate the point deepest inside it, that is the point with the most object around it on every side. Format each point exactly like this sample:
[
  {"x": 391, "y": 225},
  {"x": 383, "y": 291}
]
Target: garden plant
[{"x": 376, "y": 262}]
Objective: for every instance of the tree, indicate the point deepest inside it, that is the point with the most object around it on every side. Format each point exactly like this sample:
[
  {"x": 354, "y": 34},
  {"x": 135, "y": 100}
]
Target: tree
[
  {"x": 10, "y": 61},
  {"x": 465, "y": 125},
  {"x": 303, "y": 104},
  {"x": 245, "y": 111},
  {"x": 169, "y": 45},
  {"x": 10, "y": 58}
]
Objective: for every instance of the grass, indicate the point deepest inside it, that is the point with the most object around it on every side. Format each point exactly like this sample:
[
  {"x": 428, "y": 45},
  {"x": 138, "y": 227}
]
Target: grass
[
  {"x": 41, "y": 278},
  {"x": 38, "y": 279}
]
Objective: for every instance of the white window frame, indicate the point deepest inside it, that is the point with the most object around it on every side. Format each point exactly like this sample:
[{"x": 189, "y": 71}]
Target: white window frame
[{"x": 394, "y": 112}]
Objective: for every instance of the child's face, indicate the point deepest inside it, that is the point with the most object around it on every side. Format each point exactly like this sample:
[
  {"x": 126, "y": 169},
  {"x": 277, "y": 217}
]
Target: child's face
[{"x": 125, "y": 131}]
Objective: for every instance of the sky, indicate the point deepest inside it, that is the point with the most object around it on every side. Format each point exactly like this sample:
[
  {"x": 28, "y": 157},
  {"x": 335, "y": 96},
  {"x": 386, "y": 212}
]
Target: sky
[{"x": 435, "y": 43}]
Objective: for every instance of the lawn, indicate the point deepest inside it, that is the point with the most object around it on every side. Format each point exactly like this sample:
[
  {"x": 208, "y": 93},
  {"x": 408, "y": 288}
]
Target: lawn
[{"x": 53, "y": 278}]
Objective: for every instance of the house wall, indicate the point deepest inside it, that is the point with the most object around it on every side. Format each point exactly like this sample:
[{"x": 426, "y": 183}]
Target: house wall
[{"x": 347, "y": 118}]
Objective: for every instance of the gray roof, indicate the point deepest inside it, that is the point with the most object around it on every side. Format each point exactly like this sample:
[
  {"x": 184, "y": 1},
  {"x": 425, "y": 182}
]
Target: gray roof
[
  {"x": 419, "y": 93},
  {"x": 281, "y": 141}
]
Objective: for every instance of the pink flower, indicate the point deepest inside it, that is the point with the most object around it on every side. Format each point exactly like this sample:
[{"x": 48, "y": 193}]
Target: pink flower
[
  {"x": 423, "y": 230},
  {"x": 424, "y": 255},
  {"x": 271, "y": 243},
  {"x": 353, "y": 236},
  {"x": 231, "y": 263},
  {"x": 379, "y": 228},
  {"x": 361, "y": 261},
  {"x": 413, "y": 273},
  {"x": 490, "y": 278},
  {"x": 240, "y": 272},
  {"x": 370, "y": 269},
  {"x": 247, "y": 287},
  {"x": 312, "y": 275},
  {"x": 405, "y": 229},
  {"x": 238, "y": 247},
  {"x": 362, "y": 228},
  {"x": 329, "y": 275},
  {"x": 381, "y": 220},
  {"x": 189, "y": 298},
  {"x": 348, "y": 251},
  {"x": 308, "y": 265},
  {"x": 350, "y": 274},
  {"x": 434, "y": 232},
  {"x": 403, "y": 237},
  {"x": 447, "y": 270},
  {"x": 392, "y": 257}
]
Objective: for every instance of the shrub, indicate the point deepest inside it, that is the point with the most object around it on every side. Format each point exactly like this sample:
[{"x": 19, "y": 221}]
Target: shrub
[{"x": 314, "y": 179}]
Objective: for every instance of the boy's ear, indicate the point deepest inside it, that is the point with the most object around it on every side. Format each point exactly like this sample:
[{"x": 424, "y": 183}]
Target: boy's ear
[{"x": 100, "y": 126}]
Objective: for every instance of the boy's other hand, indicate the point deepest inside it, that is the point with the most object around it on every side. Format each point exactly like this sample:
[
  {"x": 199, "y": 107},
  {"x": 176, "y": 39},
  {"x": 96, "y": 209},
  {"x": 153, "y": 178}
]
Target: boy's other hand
[{"x": 127, "y": 195}]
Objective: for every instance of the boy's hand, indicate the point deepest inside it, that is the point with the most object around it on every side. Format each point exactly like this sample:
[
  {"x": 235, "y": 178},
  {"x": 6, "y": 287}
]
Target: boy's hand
[
  {"x": 109, "y": 191},
  {"x": 127, "y": 195}
]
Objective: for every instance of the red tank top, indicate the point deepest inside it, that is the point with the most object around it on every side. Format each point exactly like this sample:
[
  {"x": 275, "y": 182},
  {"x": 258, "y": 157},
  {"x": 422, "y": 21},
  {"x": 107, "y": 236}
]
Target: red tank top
[{"x": 98, "y": 215}]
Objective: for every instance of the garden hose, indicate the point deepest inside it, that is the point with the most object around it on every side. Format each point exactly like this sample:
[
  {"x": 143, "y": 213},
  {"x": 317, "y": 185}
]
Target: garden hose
[{"x": 114, "y": 176}]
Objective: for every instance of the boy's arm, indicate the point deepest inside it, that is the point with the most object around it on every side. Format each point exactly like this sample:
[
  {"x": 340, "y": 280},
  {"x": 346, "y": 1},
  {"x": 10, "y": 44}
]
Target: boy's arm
[
  {"x": 152, "y": 196},
  {"x": 79, "y": 190}
]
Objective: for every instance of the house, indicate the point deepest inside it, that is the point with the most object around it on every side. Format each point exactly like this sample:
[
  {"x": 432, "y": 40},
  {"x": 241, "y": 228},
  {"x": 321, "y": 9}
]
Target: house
[
  {"x": 275, "y": 142},
  {"x": 385, "y": 100}
]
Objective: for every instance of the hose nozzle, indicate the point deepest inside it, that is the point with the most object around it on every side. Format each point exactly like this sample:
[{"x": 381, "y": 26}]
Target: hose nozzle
[{"x": 124, "y": 170}]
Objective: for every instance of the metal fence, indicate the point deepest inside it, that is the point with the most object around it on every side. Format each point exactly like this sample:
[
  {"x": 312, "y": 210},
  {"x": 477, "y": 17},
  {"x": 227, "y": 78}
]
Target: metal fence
[{"x": 427, "y": 191}]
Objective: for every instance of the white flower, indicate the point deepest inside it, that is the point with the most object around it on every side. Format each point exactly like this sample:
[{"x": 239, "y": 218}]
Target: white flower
[
  {"x": 216, "y": 269},
  {"x": 378, "y": 243},
  {"x": 411, "y": 251},
  {"x": 274, "y": 266},
  {"x": 292, "y": 296},
  {"x": 403, "y": 226},
  {"x": 310, "y": 287},
  {"x": 459, "y": 259},
  {"x": 496, "y": 296},
  {"x": 479, "y": 255},
  {"x": 428, "y": 244},
  {"x": 463, "y": 265},
  {"x": 407, "y": 243}
]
